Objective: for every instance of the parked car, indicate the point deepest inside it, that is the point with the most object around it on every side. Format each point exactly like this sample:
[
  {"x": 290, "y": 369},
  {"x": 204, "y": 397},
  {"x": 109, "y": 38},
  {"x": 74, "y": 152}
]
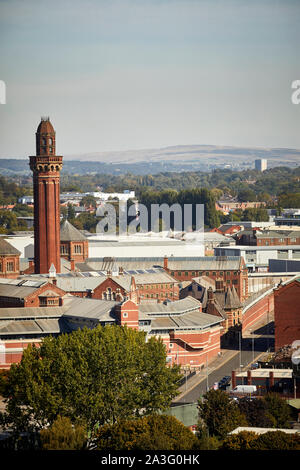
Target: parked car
[{"x": 224, "y": 382}]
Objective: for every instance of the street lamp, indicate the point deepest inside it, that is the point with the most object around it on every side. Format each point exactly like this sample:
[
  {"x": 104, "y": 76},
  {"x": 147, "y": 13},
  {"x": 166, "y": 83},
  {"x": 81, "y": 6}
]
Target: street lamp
[
  {"x": 240, "y": 347},
  {"x": 251, "y": 332},
  {"x": 207, "y": 373}
]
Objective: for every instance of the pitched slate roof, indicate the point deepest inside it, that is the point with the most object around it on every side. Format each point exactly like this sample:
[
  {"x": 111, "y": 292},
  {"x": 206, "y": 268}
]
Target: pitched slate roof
[
  {"x": 7, "y": 249},
  {"x": 68, "y": 233},
  {"x": 231, "y": 299},
  {"x": 19, "y": 289}
]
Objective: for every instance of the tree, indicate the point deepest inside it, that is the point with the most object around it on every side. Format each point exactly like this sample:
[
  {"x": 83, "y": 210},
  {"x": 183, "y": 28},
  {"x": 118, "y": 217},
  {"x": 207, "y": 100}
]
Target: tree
[
  {"x": 88, "y": 201},
  {"x": 256, "y": 413},
  {"x": 22, "y": 210},
  {"x": 155, "y": 432},
  {"x": 246, "y": 195},
  {"x": 255, "y": 214},
  {"x": 220, "y": 414},
  {"x": 279, "y": 409},
  {"x": 8, "y": 221},
  {"x": 63, "y": 435},
  {"x": 241, "y": 441},
  {"x": 70, "y": 212},
  {"x": 96, "y": 375},
  {"x": 277, "y": 440}
]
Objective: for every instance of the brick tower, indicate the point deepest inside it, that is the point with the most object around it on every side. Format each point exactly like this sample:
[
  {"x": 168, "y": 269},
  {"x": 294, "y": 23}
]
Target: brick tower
[{"x": 46, "y": 168}]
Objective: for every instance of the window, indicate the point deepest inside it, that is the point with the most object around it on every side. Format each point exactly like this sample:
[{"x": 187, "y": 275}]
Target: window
[
  {"x": 171, "y": 345},
  {"x": 125, "y": 315},
  {"x": 207, "y": 273},
  {"x": 179, "y": 273},
  {"x": 186, "y": 273},
  {"x": 10, "y": 266},
  {"x": 193, "y": 273},
  {"x": 214, "y": 273},
  {"x": 77, "y": 249}
]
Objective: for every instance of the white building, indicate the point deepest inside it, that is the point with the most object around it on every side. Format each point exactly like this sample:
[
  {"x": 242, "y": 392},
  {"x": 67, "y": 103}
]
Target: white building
[
  {"x": 257, "y": 257},
  {"x": 261, "y": 164}
]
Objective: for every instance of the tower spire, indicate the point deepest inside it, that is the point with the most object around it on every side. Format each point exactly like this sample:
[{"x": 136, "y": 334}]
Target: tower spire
[{"x": 46, "y": 167}]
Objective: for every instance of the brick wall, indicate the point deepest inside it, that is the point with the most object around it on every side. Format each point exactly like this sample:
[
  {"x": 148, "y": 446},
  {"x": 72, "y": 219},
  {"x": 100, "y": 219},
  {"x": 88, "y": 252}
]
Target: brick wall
[
  {"x": 257, "y": 310},
  {"x": 287, "y": 314}
]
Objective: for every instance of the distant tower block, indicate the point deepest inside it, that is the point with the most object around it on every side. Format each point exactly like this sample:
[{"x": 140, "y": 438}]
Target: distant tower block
[
  {"x": 46, "y": 167},
  {"x": 261, "y": 164}
]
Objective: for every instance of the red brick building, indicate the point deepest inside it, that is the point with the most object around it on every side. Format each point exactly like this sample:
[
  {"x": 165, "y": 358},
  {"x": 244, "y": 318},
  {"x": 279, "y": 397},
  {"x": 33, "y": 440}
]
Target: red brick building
[
  {"x": 258, "y": 237},
  {"x": 46, "y": 167},
  {"x": 225, "y": 271},
  {"x": 117, "y": 288},
  {"x": 287, "y": 313},
  {"x": 26, "y": 293},
  {"x": 154, "y": 286},
  {"x": 190, "y": 336},
  {"x": 9, "y": 260},
  {"x": 73, "y": 244}
]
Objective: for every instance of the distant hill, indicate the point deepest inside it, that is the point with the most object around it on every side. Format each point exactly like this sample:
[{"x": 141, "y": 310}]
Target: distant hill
[{"x": 177, "y": 158}]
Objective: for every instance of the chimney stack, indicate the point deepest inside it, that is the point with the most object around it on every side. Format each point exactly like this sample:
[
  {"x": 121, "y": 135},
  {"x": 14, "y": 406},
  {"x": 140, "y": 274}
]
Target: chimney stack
[{"x": 165, "y": 262}]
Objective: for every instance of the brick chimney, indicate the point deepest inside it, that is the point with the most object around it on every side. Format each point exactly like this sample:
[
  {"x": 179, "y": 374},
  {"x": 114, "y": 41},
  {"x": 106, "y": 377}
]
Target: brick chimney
[
  {"x": 121, "y": 271},
  {"x": 165, "y": 262},
  {"x": 249, "y": 377},
  {"x": 72, "y": 263},
  {"x": 233, "y": 379}
]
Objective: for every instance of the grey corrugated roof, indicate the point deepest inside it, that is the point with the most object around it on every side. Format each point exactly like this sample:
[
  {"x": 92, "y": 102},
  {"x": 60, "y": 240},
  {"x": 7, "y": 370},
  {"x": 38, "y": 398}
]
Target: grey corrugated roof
[
  {"x": 90, "y": 308},
  {"x": 159, "y": 277},
  {"x": 204, "y": 281},
  {"x": 278, "y": 234},
  {"x": 211, "y": 263},
  {"x": 7, "y": 249},
  {"x": 193, "y": 320},
  {"x": 81, "y": 284},
  {"x": 18, "y": 289},
  {"x": 177, "y": 307},
  {"x": 78, "y": 284},
  {"x": 194, "y": 263},
  {"x": 25, "y": 327},
  {"x": 69, "y": 233},
  {"x": 31, "y": 312}
]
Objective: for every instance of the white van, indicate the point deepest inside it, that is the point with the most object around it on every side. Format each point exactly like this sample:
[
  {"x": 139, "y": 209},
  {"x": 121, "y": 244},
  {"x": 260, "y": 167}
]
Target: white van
[{"x": 244, "y": 389}]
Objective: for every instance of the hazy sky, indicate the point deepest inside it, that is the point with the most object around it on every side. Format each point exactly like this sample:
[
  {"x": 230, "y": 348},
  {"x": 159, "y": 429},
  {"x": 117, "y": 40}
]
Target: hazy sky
[{"x": 129, "y": 74}]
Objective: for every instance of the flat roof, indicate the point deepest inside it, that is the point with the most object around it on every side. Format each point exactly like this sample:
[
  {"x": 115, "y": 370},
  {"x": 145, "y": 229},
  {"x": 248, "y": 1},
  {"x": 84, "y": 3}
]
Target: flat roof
[
  {"x": 263, "y": 430},
  {"x": 265, "y": 373}
]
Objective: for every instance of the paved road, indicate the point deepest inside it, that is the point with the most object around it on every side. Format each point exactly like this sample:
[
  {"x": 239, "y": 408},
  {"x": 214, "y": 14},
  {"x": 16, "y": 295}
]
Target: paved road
[{"x": 260, "y": 345}]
